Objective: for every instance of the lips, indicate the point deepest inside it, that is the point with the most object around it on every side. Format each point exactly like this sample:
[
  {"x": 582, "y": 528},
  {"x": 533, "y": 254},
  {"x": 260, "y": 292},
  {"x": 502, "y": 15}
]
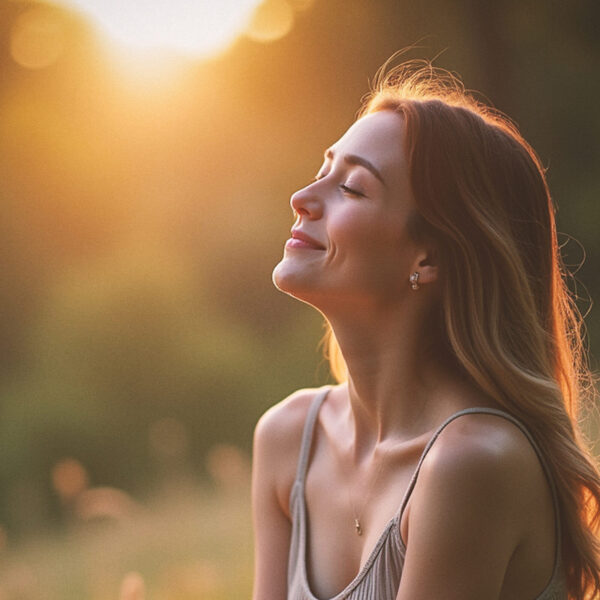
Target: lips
[{"x": 302, "y": 240}]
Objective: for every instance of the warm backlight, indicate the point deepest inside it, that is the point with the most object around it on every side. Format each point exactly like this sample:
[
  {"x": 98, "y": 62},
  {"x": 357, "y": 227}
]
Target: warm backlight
[{"x": 194, "y": 27}]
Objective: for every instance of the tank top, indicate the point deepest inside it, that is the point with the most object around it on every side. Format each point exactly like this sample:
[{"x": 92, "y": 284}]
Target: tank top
[{"x": 379, "y": 578}]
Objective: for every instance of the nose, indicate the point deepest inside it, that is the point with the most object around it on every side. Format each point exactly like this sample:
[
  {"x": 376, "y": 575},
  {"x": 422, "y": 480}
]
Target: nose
[{"x": 307, "y": 203}]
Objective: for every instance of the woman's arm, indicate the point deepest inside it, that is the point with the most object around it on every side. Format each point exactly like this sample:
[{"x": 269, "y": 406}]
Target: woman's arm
[
  {"x": 467, "y": 515},
  {"x": 277, "y": 441},
  {"x": 272, "y": 528}
]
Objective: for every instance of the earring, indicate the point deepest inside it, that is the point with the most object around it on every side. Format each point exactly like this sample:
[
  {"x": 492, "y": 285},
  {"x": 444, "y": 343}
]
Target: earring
[{"x": 414, "y": 280}]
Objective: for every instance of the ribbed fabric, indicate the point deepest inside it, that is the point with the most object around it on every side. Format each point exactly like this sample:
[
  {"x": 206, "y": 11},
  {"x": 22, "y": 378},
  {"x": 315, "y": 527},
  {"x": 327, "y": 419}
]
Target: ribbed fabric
[{"x": 379, "y": 578}]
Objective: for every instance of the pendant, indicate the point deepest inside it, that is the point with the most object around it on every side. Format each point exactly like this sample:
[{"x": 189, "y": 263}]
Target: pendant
[{"x": 357, "y": 526}]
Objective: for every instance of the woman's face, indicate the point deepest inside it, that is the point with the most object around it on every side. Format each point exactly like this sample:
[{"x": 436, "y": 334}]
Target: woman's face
[{"x": 349, "y": 242}]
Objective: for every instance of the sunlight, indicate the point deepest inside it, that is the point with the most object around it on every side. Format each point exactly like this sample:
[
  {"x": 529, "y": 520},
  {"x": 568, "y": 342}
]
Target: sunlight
[{"x": 198, "y": 28}]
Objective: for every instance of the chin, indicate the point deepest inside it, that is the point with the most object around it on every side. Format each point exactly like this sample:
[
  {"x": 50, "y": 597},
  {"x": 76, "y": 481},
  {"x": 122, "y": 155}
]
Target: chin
[
  {"x": 283, "y": 277},
  {"x": 291, "y": 281}
]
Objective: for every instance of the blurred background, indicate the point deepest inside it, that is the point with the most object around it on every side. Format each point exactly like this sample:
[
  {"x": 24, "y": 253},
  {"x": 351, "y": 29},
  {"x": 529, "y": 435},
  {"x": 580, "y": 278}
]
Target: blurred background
[{"x": 148, "y": 150}]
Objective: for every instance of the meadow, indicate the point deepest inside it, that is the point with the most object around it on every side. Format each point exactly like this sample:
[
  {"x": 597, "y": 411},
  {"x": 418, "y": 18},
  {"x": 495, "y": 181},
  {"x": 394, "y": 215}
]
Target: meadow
[{"x": 186, "y": 542}]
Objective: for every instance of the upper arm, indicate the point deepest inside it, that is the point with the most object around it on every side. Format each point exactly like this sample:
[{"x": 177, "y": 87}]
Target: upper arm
[
  {"x": 277, "y": 440},
  {"x": 465, "y": 521}
]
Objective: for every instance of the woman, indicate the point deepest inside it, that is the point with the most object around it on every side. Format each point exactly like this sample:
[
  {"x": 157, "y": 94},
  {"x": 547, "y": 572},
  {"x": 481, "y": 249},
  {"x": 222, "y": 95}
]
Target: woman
[{"x": 447, "y": 463}]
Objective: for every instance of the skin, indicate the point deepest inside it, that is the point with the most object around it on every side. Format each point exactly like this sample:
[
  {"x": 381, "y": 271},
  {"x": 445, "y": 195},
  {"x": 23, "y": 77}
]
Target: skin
[{"x": 479, "y": 523}]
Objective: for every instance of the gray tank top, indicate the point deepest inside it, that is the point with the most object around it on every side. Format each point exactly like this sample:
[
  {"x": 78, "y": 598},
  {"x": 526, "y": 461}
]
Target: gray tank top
[{"x": 379, "y": 578}]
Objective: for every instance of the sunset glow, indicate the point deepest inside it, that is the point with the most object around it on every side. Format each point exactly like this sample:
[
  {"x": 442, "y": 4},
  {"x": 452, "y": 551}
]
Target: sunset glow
[{"x": 192, "y": 27}]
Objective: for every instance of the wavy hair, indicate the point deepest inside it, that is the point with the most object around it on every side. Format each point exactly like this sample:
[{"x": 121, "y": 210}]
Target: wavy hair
[{"x": 507, "y": 319}]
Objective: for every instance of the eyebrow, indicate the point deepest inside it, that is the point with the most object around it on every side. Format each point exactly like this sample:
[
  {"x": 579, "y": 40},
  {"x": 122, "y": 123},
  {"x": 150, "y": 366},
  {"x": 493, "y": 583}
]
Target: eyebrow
[{"x": 353, "y": 159}]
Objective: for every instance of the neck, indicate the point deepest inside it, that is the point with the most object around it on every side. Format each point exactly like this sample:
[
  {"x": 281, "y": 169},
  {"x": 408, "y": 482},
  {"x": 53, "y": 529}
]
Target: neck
[{"x": 394, "y": 380}]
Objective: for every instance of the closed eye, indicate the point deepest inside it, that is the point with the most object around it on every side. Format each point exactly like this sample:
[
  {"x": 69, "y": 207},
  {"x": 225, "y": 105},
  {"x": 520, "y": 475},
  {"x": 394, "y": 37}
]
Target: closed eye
[{"x": 350, "y": 191}]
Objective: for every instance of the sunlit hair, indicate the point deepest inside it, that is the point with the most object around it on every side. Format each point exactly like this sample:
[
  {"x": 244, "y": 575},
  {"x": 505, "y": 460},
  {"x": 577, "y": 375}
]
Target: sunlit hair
[{"x": 507, "y": 319}]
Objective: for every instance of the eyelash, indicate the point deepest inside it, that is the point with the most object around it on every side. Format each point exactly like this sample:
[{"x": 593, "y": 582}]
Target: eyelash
[
  {"x": 347, "y": 190},
  {"x": 350, "y": 191}
]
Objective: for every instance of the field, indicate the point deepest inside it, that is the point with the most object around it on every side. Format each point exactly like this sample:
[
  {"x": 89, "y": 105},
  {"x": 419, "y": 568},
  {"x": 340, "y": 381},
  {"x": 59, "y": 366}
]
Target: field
[{"x": 189, "y": 543}]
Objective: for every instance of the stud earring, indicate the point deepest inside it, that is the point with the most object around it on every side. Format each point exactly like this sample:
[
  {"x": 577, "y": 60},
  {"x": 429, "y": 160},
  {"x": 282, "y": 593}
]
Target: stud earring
[{"x": 414, "y": 280}]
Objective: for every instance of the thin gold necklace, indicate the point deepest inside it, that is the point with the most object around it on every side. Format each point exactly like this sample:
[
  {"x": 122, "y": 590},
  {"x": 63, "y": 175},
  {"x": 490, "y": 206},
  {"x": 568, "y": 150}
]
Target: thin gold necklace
[{"x": 357, "y": 515}]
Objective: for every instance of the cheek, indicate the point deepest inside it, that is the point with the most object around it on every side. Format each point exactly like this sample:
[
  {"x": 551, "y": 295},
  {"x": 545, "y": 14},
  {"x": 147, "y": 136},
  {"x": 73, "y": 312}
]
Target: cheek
[
  {"x": 371, "y": 254},
  {"x": 371, "y": 238},
  {"x": 352, "y": 227}
]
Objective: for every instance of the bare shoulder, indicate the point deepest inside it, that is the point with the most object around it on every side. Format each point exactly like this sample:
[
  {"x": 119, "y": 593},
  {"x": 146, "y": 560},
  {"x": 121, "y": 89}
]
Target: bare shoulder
[
  {"x": 281, "y": 426},
  {"x": 480, "y": 497},
  {"x": 485, "y": 459},
  {"x": 277, "y": 440},
  {"x": 486, "y": 444}
]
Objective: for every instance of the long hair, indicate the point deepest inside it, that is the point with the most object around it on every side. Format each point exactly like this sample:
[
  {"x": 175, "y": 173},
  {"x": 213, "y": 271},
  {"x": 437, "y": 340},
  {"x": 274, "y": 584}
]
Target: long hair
[{"x": 507, "y": 318}]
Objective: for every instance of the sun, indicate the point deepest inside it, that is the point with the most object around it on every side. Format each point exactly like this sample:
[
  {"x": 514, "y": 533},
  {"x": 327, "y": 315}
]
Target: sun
[{"x": 198, "y": 28}]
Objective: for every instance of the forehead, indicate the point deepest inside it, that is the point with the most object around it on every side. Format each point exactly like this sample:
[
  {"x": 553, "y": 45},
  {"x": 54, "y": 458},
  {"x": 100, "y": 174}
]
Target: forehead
[{"x": 379, "y": 138}]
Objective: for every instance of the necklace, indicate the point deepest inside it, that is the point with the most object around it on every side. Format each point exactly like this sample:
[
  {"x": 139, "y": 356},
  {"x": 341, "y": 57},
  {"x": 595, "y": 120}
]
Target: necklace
[{"x": 357, "y": 515}]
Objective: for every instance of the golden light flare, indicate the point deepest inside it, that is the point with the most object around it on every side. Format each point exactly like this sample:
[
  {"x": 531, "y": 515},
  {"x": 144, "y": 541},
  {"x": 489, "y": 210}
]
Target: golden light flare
[
  {"x": 36, "y": 38},
  {"x": 198, "y": 28}
]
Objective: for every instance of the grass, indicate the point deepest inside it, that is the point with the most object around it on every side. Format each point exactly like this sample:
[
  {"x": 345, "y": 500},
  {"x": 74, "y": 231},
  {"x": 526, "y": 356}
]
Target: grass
[{"x": 190, "y": 543}]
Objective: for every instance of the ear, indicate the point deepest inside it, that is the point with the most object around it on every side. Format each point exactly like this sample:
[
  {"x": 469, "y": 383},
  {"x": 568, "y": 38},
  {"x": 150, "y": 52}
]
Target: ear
[{"x": 426, "y": 264}]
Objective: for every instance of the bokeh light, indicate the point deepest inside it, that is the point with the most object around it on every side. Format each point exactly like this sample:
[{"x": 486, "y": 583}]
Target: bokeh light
[
  {"x": 271, "y": 21},
  {"x": 132, "y": 587},
  {"x": 104, "y": 503},
  {"x": 37, "y": 38},
  {"x": 69, "y": 478},
  {"x": 228, "y": 467}
]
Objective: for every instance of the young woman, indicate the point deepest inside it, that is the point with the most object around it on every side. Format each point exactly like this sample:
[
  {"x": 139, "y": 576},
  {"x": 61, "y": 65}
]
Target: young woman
[{"x": 447, "y": 463}]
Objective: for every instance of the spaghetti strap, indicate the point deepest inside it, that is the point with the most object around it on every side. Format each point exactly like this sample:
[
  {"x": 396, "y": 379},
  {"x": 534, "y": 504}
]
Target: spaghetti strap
[
  {"x": 307, "y": 434},
  {"x": 534, "y": 445}
]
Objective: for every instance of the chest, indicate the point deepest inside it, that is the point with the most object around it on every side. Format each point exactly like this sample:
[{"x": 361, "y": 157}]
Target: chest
[{"x": 335, "y": 501}]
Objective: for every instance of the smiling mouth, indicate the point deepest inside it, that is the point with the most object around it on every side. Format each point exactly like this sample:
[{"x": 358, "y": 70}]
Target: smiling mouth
[{"x": 301, "y": 240}]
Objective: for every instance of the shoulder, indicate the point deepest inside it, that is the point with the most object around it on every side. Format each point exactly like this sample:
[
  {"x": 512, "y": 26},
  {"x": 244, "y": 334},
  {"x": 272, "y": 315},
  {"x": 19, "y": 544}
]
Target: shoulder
[
  {"x": 283, "y": 423},
  {"x": 483, "y": 444},
  {"x": 482, "y": 460},
  {"x": 277, "y": 441},
  {"x": 478, "y": 498}
]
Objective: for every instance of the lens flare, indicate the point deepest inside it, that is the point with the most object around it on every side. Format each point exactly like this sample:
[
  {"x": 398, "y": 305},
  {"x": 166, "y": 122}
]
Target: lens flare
[{"x": 193, "y": 27}]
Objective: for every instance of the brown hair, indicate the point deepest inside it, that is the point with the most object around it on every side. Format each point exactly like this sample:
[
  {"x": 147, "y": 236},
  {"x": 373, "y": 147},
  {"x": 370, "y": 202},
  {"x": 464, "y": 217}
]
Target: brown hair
[{"x": 507, "y": 318}]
